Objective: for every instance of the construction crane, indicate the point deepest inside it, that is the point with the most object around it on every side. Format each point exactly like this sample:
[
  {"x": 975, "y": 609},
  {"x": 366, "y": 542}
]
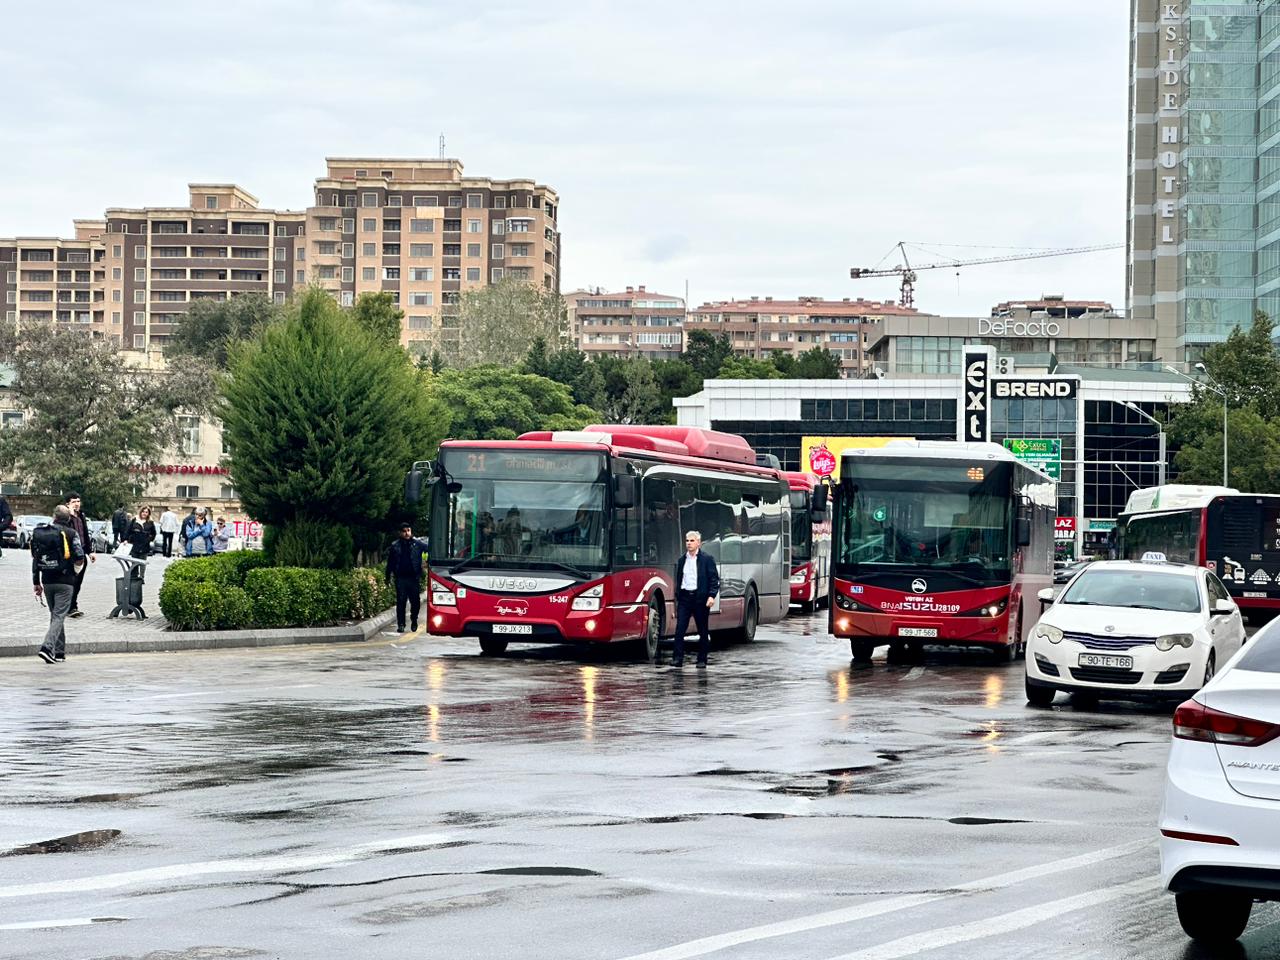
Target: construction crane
[{"x": 908, "y": 272}]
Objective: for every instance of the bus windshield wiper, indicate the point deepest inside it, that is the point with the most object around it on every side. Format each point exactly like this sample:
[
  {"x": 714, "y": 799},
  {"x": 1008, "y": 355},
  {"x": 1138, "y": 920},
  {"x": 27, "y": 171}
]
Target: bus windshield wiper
[{"x": 502, "y": 560}]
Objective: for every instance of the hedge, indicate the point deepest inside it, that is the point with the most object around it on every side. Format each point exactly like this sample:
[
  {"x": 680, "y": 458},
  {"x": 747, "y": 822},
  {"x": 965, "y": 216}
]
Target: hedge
[{"x": 237, "y": 590}]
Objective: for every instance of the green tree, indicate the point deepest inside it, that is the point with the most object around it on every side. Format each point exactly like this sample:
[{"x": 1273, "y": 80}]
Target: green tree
[
  {"x": 92, "y": 420},
  {"x": 748, "y": 368},
  {"x": 816, "y": 363},
  {"x": 211, "y": 327},
  {"x": 378, "y": 314},
  {"x": 706, "y": 352},
  {"x": 570, "y": 367},
  {"x": 640, "y": 397},
  {"x": 323, "y": 418},
  {"x": 675, "y": 379},
  {"x": 496, "y": 403},
  {"x": 499, "y": 322}
]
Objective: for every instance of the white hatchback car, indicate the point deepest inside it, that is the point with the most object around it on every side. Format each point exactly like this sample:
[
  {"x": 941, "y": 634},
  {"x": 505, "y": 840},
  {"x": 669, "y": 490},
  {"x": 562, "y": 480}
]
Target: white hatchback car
[
  {"x": 1220, "y": 821},
  {"x": 1130, "y": 630}
]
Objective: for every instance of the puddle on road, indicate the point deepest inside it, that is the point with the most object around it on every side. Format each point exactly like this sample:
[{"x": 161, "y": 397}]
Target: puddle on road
[
  {"x": 86, "y": 840},
  {"x": 981, "y": 821},
  {"x": 108, "y": 798},
  {"x": 542, "y": 872}
]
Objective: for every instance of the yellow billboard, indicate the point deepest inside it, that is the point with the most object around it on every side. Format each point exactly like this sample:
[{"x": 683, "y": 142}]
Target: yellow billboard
[{"x": 817, "y": 453}]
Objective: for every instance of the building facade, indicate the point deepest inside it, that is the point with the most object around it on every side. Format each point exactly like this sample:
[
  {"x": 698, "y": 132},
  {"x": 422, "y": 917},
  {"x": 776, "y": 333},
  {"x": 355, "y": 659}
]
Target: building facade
[
  {"x": 1204, "y": 169},
  {"x": 633, "y": 323},
  {"x": 761, "y": 327},
  {"x": 417, "y": 229}
]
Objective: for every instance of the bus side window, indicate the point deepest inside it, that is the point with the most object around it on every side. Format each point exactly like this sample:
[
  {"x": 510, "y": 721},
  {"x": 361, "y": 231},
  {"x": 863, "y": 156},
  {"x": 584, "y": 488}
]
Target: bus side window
[{"x": 662, "y": 537}]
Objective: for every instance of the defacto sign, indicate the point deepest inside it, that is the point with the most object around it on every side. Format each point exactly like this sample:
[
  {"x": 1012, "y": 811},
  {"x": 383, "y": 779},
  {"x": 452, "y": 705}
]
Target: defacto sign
[
  {"x": 1044, "y": 329},
  {"x": 975, "y": 395},
  {"x": 1062, "y": 388}
]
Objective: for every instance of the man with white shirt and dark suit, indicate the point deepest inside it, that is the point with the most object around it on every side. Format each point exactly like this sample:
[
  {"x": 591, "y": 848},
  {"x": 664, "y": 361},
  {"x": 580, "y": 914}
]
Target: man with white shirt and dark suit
[{"x": 697, "y": 585}]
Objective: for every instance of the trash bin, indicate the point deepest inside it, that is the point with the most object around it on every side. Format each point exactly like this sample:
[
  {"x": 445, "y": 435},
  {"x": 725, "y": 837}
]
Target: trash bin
[{"x": 129, "y": 588}]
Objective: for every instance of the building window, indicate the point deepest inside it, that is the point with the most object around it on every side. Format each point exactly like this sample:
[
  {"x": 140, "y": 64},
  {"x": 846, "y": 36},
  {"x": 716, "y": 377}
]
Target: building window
[
  {"x": 520, "y": 249},
  {"x": 139, "y": 252},
  {"x": 473, "y": 249},
  {"x": 368, "y": 249},
  {"x": 369, "y": 225},
  {"x": 499, "y": 203},
  {"x": 139, "y": 317},
  {"x": 422, "y": 226},
  {"x": 227, "y": 492},
  {"x": 390, "y": 273},
  {"x": 498, "y": 227},
  {"x": 115, "y": 316},
  {"x": 473, "y": 273},
  {"x": 455, "y": 201},
  {"x": 348, "y": 274},
  {"x": 300, "y": 276},
  {"x": 368, "y": 199},
  {"x": 422, "y": 249},
  {"x": 426, "y": 201},
  {"x": 395, "y": 201},
  {"x": 369, "y": 273},
  {"x": 452, "y": 273},
  {"x": 282, "y": 231},
  {"x": 279, "y": 276},
  {"x": 422, "y": 299},
  {"x": 475, "y": 200},
  {"x": 391, "y": 226},
  {"x": 518, "y": 226},
  {"x": 328, "y": 223},
  {"x": 12, "y": 419},
  {"x": 279, "y": 296},
  {"x": 495, "y": 274},
  {"x": 326, "y": 273},
  {"x": 348, "y": 298},
  {"x": 473, "y": 226},
  {"x": 139, "y": 341},
  {"x": 188, "y": 492},
  {"x": 419, "y": 323},
  {"x": 391, "y": 249},
  {"x": 497, "y": 251},
  {"x": 211, "y": 203},
  {"x": 116, "y": 274},
  {"x": 327, "y": 248},
  {"x": 422, "y": 273},
  {"x": 348, "y": 250},
  {"x": 348, "y": 225},
  {"x": 117, "y": 251},
  {"x": 282, "y": 253},
  {"x": 139, "y": 296}
]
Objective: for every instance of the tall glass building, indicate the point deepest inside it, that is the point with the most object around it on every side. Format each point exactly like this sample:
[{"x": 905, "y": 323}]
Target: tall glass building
[{"x": 1204, "y": 169}]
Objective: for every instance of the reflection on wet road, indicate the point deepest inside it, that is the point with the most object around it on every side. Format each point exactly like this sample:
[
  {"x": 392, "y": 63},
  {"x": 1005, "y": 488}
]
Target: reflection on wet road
[{"x": 413, "y": 798}]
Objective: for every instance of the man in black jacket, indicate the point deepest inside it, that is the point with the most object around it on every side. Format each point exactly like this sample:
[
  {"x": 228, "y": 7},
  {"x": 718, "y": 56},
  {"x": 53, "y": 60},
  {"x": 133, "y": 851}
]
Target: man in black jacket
[
  {"x": 81, "y": 526},
  {"x": 55, "y": 555},
  {"x": 119, "y": 524},
  {"x": 6, "y": 518},
  {"x": 697, "y": 586},
  {"x": 404, "y": 563}
]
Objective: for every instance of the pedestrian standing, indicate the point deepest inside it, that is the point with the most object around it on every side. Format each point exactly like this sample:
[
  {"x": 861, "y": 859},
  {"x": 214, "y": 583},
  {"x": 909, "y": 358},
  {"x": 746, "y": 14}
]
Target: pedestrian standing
[
  {"x": 119, "y": 524},
  {"x": 141, "y": 534},
  {"x": 55, "y": 555},
  {"x": 221, "y": 536},
  {"x": 6, "y": 518},
  {"x": 168, "y": 527},
  {"x": 404, "y": 564},
  {"x": 81, "y": 526},
  {"x": 697, "y": 585},
  {"x": 199, "y": 529},
  {"x": 188, "y": 525}
]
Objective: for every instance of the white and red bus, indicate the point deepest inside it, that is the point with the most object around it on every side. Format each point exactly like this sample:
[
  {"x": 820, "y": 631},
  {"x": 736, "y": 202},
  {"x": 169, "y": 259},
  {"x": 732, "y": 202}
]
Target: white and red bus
[
  {"x": 939, "y": 543},
  {"x": 810, "y": 541},
  {"x": 1234, "y": 534},
  {"x": 573, "y": 536}
]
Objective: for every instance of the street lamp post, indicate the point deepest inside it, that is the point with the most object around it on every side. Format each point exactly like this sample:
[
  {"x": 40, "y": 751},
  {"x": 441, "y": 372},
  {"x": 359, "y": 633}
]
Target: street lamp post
[
  {"x": 1210, "y": 384},
  {"x": 1159, "y": 427}
]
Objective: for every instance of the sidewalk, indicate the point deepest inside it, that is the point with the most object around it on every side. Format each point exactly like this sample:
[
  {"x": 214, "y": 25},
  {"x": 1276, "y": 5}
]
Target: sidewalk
[{"x": 23, "y": 620}]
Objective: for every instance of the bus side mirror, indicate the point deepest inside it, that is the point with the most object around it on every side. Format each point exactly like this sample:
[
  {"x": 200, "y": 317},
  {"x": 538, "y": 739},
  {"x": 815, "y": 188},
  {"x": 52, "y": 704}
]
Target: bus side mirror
[
  {"x": 1023, "y": 531},
  {"x": 818, "y": 508},
  {"x": 413, "y": 486},
  {"x": 624, "y": 492}
]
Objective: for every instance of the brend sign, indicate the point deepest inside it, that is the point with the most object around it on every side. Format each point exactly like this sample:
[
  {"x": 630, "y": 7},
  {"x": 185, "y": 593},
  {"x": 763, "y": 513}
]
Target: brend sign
[{"x": 1040, "y": 387}]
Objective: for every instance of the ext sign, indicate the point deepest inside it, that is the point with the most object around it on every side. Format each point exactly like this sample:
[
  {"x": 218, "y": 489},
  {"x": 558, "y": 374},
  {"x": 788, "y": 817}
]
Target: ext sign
[
  {"x": 975, "y": 394},
  {"x": 1044, "y": 454}
]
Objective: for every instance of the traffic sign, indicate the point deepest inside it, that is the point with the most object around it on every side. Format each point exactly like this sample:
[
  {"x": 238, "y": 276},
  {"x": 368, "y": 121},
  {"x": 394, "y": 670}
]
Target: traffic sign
[{"x": 1042, "y": 453}]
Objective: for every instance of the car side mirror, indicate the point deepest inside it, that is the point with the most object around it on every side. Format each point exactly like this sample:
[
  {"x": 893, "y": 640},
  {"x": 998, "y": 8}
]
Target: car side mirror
[
  {"x": 1023, "y": 531},
  {"x": 1223, "y": 608},
  {"x": 1047, "y": 595},
  {"x": 624, "y": 491}
]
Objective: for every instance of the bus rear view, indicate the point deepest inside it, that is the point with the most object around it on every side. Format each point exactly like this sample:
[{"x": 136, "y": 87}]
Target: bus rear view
[{"x": 939, "y": 543}]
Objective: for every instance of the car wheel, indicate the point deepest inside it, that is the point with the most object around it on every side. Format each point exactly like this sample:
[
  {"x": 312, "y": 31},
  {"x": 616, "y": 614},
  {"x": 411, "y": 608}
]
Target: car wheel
[
  {"x": 861, "y": 650},
  {"x": 653, "y": 631},
  {"x": 492, "y": 646},
  {"x": 1213, "y": 917},
  {"x": 1039, "y": 696},
  {"x": 1019, "y": 645},
  {"x": 1210, "y": 667},
  {"x": 1005, "y": 653}
]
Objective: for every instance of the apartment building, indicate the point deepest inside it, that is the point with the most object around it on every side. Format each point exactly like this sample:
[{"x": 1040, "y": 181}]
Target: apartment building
[
  {"x": 760, "y": 327},
  {"x": 416, "y": 228},
  {"x": 633, "y": 323},
  {"x": 426, "y": 234}
]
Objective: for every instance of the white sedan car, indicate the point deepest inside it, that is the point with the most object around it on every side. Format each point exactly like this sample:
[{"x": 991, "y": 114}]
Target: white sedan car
[
  {"x": 1220, "y": 822},
  {"x": 1131, "y": 630}
]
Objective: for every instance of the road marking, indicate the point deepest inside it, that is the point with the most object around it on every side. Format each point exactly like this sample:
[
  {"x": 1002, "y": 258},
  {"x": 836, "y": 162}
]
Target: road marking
[
  {"x": 46, "y": 924},
  {"x": 183, "y": 871},
  {"x": 915, "y": 673},
  {"x": 219, "y": 693},
  {"x": 1005, "y": 923},
  {"x": 756, "y": 717},
  {"x": 830, "y": 918}
]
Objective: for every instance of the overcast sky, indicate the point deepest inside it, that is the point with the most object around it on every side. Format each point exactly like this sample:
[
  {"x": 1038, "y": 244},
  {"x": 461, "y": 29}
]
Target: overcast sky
[{"x": 744, "y": 147}]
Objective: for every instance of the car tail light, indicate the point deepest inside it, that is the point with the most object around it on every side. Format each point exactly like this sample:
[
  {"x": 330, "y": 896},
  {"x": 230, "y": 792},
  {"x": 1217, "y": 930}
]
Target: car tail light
[{"x": 1194, "y": 721}]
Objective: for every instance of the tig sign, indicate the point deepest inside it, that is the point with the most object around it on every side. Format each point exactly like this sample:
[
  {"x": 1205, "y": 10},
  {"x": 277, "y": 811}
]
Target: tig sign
[{"x": 975, "y": 394}]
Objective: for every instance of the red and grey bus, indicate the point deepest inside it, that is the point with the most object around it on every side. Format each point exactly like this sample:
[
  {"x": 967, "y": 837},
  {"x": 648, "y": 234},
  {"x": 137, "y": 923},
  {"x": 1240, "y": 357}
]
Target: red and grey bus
[
  {"x": 1234, "y": 534},
  {"x": 573, "y": 536},
  {"x": 810, "y": 541},
  {"x": 939, "y": 543}
]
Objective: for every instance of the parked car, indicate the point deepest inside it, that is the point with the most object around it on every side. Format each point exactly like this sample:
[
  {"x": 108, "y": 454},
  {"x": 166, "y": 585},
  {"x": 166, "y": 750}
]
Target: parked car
[
  {"x": 100, "y": 533},
  {"x": 1128, "y": 630},
  {"x": 1219, "y": 846},
  {"x": 26, "y": 524},
  {"x": 1063, "y": 574}
]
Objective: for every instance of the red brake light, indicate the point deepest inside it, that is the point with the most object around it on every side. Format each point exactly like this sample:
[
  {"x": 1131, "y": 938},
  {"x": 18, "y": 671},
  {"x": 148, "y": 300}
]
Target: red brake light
[{"x": 1194, "y": 721}]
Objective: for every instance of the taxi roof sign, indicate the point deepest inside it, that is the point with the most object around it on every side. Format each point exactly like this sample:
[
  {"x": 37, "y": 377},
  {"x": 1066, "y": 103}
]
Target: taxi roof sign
[{"x": 1154, "y": 556}]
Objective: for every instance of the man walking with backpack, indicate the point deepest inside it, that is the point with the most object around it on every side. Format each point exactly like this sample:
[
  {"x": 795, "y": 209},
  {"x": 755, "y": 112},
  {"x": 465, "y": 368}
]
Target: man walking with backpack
[{"x": 56, "y": 558}]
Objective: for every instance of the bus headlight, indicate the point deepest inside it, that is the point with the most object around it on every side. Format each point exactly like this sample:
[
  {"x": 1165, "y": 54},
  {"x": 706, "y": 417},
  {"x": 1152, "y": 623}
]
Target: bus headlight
[
  {"x": 844, "y": 603},
  {"x": 798, "y": 578},
  {"x": 589, "y": 599},
  {"x": 443, "y": 598},
  {"x": 1171, "y": 640},
  {"x": 1047, "y": 631}
]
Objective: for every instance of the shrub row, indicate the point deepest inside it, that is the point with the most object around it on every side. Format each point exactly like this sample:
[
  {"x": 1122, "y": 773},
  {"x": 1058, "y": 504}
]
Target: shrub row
[{"x": 232, "y": 591}]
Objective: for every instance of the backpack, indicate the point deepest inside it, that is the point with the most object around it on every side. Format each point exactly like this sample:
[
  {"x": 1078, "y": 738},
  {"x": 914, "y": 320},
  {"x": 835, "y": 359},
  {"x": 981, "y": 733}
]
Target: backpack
[{"x": 51, "y": 548}]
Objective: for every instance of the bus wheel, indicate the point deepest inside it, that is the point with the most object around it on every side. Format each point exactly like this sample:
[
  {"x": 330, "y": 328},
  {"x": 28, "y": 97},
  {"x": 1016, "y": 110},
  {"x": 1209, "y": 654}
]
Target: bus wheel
[
  {"x": 1019, "y": 645},
  {"x": 653, "y": 631},
  {"x": 1005, "y": 653},
  {"x": 492, "y": 646},
  {"x": 750, "y": 617},
  {"x": 862, "y": 650}
]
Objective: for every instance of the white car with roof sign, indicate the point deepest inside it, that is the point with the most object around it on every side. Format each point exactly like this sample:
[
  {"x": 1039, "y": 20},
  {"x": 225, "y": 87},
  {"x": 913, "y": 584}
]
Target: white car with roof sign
[
  {"x": 1219, "y": 842},
  {"x": 1132, "y": 630}
]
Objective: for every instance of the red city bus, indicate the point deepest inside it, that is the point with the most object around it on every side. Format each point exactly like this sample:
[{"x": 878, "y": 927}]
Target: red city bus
[
  {"x": 940, "y": 542},
  {"x": 1234, "y": 534},
  {"x": 573, "y": 536},
  {"x": 810, "y": 541}
]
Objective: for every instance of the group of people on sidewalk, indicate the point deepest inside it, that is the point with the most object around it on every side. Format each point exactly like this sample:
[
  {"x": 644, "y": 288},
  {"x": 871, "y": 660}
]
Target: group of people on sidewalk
[{"x": 196, "y": 527}]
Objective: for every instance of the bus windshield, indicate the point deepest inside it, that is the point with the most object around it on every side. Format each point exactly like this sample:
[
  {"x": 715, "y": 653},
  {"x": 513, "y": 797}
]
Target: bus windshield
[
  {"x": 801, "y": 528},
  {"x": 949, "y": 514},
  {"x": 521, "y": 508}
]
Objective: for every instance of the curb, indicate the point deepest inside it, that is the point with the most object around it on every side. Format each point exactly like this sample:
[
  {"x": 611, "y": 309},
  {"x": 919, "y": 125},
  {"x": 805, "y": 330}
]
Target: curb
[{"x": 164, "y": 641}]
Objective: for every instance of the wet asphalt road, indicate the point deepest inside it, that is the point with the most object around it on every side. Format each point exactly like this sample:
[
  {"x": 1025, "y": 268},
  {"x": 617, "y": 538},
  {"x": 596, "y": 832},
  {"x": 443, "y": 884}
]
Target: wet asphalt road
[{"x": 413, "y": 799}]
